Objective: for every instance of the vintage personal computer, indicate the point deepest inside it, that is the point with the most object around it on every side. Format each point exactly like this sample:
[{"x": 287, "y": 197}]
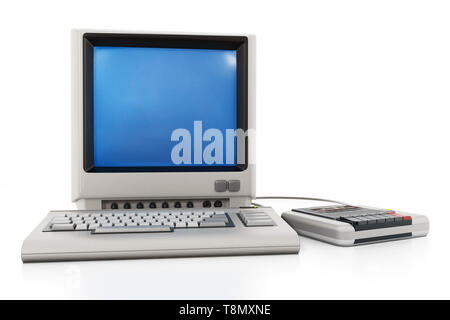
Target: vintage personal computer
[
  {"x": 163, "y": 159},
  {"x": 162, "y": 152}
]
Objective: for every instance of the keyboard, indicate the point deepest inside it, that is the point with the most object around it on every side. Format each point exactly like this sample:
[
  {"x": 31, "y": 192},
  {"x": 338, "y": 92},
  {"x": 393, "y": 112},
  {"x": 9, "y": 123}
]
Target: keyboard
[
  {"x": 142, "y": 221},
  {"x": 160, "y": 232}
]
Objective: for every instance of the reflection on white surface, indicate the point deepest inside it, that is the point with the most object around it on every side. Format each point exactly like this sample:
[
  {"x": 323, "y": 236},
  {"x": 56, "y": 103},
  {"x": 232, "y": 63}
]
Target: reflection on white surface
[
  {"x": 207, "y": 278},
  {"x": 319, "y": 271}
]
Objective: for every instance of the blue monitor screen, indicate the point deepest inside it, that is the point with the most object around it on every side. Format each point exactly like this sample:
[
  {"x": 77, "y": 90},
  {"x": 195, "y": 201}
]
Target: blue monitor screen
[{"x": 141, "y": 96}]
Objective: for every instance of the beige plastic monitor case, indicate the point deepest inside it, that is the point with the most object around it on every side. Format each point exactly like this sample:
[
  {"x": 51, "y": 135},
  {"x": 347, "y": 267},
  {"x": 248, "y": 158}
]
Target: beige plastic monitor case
[{"x": 97, "y": 190}]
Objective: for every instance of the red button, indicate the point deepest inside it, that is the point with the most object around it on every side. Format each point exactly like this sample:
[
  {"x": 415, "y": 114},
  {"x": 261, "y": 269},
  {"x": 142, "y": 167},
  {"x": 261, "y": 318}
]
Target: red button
[{"x": 407, "y": 218}]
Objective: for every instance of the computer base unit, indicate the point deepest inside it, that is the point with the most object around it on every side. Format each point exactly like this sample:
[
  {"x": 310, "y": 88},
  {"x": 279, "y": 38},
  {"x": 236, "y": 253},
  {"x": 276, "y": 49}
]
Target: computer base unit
[
  {"x": 158, "y": 233},
  {"x": 346, "y": 225}
]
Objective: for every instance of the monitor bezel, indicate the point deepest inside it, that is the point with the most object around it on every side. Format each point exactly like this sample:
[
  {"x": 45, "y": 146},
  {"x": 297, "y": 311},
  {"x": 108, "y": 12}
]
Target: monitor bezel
[{"x": 90, "y": 40}]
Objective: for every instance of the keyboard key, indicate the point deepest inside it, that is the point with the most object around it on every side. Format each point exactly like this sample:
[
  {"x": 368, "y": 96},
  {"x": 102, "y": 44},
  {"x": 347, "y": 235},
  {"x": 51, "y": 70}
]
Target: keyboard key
[
  {"x": 106, "y": 224},
  {"x": 208, "y": 224},
  {"x": 257, "y": 215},
  {"x": 220, "y": 216},
  {"x": 259, "y": 222},
  {"x": 119, "y": 224},
  {"x": 63, "y": 227},
  {"x": 192, "y": 224},
  {"x": 256, "y": 219},
  {"x": 61, "y": 220},
  {"x": 131, "y": 224},
  {"x": 81, "y": 227},
  {"x": 169, "y": 223},
  {"x": 148, "y": 229},
  {"x": 93, "y": 226},
  {"x": 180, "y": 224}
]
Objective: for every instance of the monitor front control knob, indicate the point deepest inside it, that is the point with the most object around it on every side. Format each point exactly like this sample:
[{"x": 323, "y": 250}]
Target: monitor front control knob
[{"x": 206, "y": 204}]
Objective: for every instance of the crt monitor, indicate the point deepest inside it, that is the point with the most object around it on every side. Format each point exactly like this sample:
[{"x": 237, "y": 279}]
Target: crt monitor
[{"x": 161, "y": 118}]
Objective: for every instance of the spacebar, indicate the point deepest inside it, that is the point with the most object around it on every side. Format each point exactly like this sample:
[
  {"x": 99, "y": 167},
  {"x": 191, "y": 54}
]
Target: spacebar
[{"x": 103, "y": 230}]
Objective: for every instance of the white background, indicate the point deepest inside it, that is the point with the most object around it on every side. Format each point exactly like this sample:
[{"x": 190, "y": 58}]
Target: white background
[{"x": 353, "y": 104}]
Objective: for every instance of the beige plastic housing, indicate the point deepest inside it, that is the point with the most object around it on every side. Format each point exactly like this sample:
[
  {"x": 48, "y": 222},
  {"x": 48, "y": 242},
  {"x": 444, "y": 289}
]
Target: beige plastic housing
[{"x": 90, "y": 190}]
